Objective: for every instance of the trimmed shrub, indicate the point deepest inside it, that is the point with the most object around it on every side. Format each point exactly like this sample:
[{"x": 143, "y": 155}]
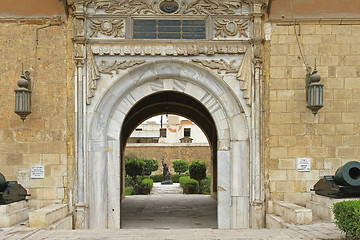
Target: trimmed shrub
[
  {"x": 180, "y": 166},
  {"x": 347, "y": 218},
  {"x": 150, "y": 166},
  {"x": 157, "y": 177},
  {"x": 134, "y": 167},
  {"x": 175, "y": 177},
  {"x": 186, "y": 181},
  {"x": 205, "y": 185},
  {"x": 148, "y": 183},
  {"x": 197, "y": 170}
]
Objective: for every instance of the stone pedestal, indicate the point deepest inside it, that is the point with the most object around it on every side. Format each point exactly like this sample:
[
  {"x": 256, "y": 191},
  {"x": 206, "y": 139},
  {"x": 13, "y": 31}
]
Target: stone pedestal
[
  {"x": 14, "y": 213},
  {"x": 54, "y": 216},
  {"x": 322, "y": 206}
]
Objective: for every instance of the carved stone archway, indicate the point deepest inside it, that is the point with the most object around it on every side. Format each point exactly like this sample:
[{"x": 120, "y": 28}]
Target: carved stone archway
[{"x": 114, "y": 72}]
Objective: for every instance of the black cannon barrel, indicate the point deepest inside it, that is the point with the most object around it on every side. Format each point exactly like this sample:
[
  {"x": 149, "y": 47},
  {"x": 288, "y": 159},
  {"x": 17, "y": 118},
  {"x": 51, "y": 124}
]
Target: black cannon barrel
[
  {"x": 3, "y": 183},
  {"x": 348, "y": 175}
]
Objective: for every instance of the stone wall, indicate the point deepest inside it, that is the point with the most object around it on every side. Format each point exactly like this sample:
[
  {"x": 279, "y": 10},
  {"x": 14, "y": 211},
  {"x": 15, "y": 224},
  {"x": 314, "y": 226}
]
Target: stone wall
[
  {"x": 172, "y": 152},
  {"x": 331, "y": 138},
  {"x": 44, "y": 138}
]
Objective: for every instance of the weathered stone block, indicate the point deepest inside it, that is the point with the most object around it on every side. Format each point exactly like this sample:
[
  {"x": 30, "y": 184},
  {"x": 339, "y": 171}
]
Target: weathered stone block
[{"x": 48, "y": 215}]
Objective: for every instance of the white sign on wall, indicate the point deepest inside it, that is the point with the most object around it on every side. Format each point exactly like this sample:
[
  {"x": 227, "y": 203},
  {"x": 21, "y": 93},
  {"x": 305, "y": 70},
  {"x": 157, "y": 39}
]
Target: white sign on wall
[
  {"x": 37, "y": 171},
  {"x": 303, "y": 164}
]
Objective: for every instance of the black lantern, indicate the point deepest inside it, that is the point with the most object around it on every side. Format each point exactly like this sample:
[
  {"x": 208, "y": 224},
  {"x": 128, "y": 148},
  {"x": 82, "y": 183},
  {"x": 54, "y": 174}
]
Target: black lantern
[
  {"x": 23, "y": 96},
  {"x": 314, "y": 91}
]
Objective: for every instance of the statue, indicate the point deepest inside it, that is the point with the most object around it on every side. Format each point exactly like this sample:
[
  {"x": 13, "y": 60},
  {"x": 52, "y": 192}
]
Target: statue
[{"x": 166, "y": 174}]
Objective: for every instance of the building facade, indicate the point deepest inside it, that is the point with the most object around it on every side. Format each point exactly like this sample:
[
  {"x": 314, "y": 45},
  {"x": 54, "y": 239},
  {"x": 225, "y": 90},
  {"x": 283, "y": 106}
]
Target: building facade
[{"x": 236, "y": 68}]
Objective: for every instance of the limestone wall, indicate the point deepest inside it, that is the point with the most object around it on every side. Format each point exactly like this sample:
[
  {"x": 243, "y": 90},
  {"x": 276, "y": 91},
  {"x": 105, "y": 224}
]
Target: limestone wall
[
  {"x": 331, "y": 138},
  {"x": 44, "y": 138},
  {"x": 172, "y": 152}
]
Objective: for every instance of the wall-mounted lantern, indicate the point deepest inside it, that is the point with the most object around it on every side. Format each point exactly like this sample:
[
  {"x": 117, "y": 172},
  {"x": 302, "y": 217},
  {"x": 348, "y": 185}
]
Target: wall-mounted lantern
[
  {"x": 23, "y": 96},
  {"x": 314, "y": 91}
]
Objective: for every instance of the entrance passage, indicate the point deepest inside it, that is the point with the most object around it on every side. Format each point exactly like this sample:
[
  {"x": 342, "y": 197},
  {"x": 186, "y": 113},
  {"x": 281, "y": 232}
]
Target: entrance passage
[
  {"x": 167, "y": 208},
  {"x": 162, "y": 209}
]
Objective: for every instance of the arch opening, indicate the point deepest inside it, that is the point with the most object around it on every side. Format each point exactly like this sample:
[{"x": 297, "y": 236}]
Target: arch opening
[{"x": 170, "y": 102}]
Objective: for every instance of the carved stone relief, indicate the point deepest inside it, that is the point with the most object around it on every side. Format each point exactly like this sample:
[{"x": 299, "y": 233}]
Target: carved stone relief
[
  {"x": 174, "y": 49},
  {"x": 108, "y": 27},
  {"x": 245, "y": 76},
  {"x": 164, "y": 7},
  {"x": 107, "y": 68},
  {"x": 219, "y": 65},
  {"x": 231, "y": 28},
  {"x": 93, "y": 74}
]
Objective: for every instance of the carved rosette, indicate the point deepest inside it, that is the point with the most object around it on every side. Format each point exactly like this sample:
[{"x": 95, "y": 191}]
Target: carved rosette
[
  {"x": 193, "y": 7},
  {"x": 232, "y": 28},
  {"x": 108, "y": 27}
]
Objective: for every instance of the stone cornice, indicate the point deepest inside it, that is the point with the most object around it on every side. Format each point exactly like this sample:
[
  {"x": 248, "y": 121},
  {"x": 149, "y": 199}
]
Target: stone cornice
[{"x": 331, "y": 21}]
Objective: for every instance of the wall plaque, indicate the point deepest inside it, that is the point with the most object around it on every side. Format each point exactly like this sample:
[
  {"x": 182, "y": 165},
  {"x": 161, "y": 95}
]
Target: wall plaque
[
  {"x": 303, "y": 164},
  {"x": 37, "y": 171}
]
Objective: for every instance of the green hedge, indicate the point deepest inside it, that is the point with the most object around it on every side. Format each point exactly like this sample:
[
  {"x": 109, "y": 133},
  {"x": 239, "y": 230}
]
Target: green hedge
[
  {"x": 347, "y": 218},
  {"x": 147, "y": 183},
  {"x": 205, "y": 185},
  {"x": 175, "y": 177},
  {"x": 186, "y": 181},
  {"x": 157, "y": 177}
]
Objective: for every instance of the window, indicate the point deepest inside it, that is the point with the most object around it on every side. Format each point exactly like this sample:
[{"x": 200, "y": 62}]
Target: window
[
  {"x": 138, "y": 129},
  {"x": 187, "y": 132},
  {"x": 163, "y": 132},
  {"x": 169, "y": 29}
]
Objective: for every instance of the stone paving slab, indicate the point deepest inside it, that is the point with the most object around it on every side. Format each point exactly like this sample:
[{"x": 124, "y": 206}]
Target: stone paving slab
[{"x": 171, "y": 234}]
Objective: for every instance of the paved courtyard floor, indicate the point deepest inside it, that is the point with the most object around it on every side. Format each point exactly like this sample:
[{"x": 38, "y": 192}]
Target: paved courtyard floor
[{"x": 167, "y": 214}]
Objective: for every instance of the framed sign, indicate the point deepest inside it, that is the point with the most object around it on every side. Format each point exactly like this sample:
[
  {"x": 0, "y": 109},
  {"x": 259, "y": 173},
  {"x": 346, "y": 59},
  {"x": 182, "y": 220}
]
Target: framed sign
[
  {"x": 37, "y": 171},
  {"x": 303, "y": 164}
]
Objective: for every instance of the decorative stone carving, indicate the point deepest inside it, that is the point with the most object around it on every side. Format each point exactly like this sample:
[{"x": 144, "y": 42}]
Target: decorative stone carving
[
  {"x": 93, "y": 75},
  {"x": 219, "y": 65},
  {"x": 245, "y": 75},
  {"x": 231, "y": 28},
  {"x": 107, "y": 27},
  {"x": 169, "y": 6},
  {"x": 78, "y": 27},
  {"x": 107, "y": 68},
  {"x": 174, "y": 49}
]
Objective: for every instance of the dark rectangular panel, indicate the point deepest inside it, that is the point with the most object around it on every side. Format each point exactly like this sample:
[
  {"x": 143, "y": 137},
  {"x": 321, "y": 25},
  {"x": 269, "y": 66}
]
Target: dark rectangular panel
[
  {"x": 144, "y": 35},
  {"x": 169, "y": 29},
  {"x": 169, "y": 36},
  {"x": 169, "y": 22}
]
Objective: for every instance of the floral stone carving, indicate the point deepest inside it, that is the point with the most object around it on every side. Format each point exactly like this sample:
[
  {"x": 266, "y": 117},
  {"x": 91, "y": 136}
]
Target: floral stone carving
[
  {"x": 231, "y": 28},
  {"x": 164, "y": 7},
  {"x": 219, "y": 65},
  {"x": 107, "y": 27}
]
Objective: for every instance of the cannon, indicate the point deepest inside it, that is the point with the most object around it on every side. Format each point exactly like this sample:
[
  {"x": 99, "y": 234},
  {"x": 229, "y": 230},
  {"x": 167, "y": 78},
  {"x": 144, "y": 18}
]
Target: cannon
[
  {"x": 11, "y": 191},
  {"x": 345, "y": 182}
]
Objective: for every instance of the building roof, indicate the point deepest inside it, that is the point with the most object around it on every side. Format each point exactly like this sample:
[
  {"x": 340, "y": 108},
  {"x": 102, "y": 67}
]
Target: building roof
[{"x": 145, "y": 134}]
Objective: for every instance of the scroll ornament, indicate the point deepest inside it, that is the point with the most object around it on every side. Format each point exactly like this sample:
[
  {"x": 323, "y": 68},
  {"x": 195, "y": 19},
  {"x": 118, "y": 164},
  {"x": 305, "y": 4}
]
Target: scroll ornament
[{"x": 219, "y": 65}]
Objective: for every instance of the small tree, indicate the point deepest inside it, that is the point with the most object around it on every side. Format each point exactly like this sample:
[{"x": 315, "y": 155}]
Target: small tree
[
  {"x": 197, "y": 171},
  {"x": 180, "y": 166},
  {"x": 135, "y": 167},
  {"x": 150, "y": 166}
]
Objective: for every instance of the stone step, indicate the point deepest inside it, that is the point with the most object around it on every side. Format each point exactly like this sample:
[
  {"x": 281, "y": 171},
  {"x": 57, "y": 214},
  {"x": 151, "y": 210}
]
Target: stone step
[
  {"x": 65, "y": 223},
  {"x": 13, "y": 218},
  {"x": 159, "y": 188},
  {"x": 48, "y": 215},
  {"x": 274, "y": 221},
  {"x": 293, "y": 213}
]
